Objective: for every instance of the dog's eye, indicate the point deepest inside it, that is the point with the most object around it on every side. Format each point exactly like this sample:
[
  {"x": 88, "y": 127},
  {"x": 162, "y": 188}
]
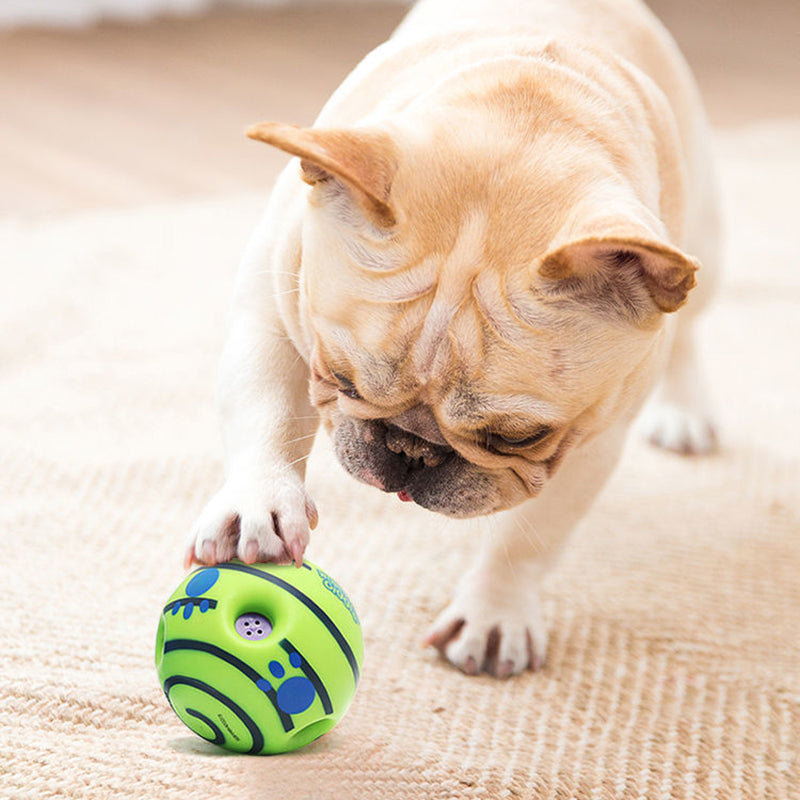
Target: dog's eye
[
  {"x": 518, "y": 442},
  {"x": 347, "y": 387}
]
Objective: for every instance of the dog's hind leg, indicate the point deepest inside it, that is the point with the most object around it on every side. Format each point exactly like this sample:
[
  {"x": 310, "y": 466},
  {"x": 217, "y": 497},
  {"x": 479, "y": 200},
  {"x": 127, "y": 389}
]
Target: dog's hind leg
[{"x": 678, "y": 417}]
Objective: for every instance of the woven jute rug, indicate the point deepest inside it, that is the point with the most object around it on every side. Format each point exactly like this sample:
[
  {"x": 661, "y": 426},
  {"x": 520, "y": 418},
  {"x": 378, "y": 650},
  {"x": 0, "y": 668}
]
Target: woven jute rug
[{"x": 674, "y": 664}]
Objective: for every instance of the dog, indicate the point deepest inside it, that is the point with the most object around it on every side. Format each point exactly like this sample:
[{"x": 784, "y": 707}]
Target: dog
[{"x": 481, "y": 261}]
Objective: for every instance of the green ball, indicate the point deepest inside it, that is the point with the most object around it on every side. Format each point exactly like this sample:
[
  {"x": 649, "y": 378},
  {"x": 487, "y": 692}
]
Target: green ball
[{"x": 259, "y": 658}]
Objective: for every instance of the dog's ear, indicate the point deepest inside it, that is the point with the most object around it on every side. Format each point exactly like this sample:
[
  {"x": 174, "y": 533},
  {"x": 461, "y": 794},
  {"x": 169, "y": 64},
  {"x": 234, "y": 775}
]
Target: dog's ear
[
  {"x": 629, "y": 267},
  {"x": 364, "y": 161}
]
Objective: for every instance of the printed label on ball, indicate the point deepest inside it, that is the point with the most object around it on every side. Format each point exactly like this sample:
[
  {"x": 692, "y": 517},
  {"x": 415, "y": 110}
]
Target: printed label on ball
[
  {"x": 334, "y": 588},
  {"x": 227, "y": 727}
]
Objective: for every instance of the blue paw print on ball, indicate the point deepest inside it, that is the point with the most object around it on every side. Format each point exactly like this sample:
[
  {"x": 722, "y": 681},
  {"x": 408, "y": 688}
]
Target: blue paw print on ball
[
  {"x": 202, "y": 582},
  {"x": 197, "y": 586},
  {"x": 295, "y": 694}
]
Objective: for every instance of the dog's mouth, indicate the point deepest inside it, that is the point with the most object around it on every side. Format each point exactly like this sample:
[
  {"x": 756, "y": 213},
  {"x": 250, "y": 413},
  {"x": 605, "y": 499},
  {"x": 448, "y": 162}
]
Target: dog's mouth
[{"x": 416, "y": 470}]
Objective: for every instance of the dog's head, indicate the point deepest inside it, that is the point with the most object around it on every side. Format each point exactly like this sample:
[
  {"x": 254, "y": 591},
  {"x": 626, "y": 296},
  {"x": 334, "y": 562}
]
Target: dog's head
[{"x": 476, "y": 305}]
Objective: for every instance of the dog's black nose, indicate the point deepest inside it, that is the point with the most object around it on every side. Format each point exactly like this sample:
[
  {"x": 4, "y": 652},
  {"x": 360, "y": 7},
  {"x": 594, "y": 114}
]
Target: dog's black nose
[{"x": 417, "y": 452}]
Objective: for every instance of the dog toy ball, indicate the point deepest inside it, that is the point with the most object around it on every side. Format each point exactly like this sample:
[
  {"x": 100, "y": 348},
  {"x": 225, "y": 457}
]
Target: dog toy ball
[{"x": 259, "y": 658}]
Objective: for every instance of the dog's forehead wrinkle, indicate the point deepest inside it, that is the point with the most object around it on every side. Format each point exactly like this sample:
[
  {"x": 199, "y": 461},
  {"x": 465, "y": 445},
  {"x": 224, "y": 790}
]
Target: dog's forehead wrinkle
[
  {"x": 469, "y": 405},
  {"x": 456, "y": 273},
  {"x": 343, "y": 352},
  {"x": 372, "y": 258},
  {"x": 400, "y": 285},
  {"x": 432, "y": 336},
  {"x": 466, "y": 254},
  {"x": 495, "y": 307}
]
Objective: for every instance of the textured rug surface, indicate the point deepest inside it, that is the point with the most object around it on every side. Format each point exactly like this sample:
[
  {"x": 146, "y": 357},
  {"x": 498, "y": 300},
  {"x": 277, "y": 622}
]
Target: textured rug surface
[{"x": 674, "y": 665}]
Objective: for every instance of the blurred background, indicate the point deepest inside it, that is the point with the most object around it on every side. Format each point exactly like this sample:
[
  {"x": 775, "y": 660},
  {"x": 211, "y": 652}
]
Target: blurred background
[
  {"x": 101, "y": 110},
  {"x": 120, "y": 102}
]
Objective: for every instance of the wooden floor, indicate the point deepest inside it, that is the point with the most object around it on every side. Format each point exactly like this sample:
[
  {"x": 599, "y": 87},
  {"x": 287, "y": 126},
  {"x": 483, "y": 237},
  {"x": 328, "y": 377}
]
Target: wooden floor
[{"x": 125, "y": 114}]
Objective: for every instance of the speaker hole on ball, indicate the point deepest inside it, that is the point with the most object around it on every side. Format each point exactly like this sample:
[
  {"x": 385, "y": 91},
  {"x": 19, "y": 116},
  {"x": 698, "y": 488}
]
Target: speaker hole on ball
[{"x": 253, "y": 626}]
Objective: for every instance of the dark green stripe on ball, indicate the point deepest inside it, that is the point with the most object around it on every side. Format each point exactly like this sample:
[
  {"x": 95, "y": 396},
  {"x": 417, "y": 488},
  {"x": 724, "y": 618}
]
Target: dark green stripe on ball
[
  {"x": 246, "y": 720},
  {"x": 243, "y": 667}
]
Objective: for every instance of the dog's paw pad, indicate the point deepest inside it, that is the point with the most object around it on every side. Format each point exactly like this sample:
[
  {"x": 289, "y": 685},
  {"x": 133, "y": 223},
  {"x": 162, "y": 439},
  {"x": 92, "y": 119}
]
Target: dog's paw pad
[
  {"x": 477, "y": 635},
  {"x": 679, "y": 430}
]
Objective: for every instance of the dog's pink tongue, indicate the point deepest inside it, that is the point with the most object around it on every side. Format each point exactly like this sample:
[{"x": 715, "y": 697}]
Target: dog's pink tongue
[{"x": 405, "y": 496}]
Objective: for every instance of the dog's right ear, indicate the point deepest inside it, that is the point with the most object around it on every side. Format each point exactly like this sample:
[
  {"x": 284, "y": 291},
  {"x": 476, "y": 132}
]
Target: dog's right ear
[
  {"x": 628, "y": 263},
  {"x": 363, "y": 160}
]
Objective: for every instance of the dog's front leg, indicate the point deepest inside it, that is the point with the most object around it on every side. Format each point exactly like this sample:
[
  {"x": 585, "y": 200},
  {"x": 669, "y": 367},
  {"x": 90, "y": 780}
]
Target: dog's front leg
[
  {"x": 495, "y": 622},
  {"x": 262, "y": 512}
]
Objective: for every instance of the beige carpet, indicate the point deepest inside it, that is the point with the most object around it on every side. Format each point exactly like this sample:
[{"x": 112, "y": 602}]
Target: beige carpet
[{"x": 674, "y": 666}]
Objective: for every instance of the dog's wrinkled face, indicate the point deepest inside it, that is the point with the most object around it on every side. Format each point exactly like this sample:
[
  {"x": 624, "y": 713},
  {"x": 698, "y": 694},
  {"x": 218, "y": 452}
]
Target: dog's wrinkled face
[
  {"x": 463, "y": 338},
  {"x": 467, "y": 396}
]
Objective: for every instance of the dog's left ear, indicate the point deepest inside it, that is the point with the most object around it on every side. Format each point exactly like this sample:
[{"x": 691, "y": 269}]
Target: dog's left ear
[
  {"x": 364, "y": 161},
  {"x": 630, "y": 262}
]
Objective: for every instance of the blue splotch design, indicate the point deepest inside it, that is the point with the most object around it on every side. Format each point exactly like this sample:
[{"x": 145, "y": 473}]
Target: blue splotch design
[
  {"x": 276, "y": 668},
  {"x": 202, "y": 581},
  {"x": 198, "y": 585}
]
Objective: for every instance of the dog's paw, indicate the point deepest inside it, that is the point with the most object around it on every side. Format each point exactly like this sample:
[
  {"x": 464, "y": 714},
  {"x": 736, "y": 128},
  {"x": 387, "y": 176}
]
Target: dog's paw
[
  {"x": 678, "y": 429},
  {"x": 265, "y": 522},
  {"x": 492, "y": 626}
]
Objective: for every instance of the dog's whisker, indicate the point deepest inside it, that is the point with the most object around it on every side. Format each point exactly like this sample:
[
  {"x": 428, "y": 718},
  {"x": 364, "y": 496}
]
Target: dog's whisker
[
  {"x": 496, "y": 534},
  {"x": 531, "y": 536},
  {"x": 302, "y": 438},
  {"x": 271, "y": 271},
  {"x": 507, "y": 553}
]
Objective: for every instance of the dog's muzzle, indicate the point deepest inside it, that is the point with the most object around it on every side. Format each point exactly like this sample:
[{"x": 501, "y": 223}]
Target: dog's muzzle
[
  {"x": 386, "y": 456},
  {"x": 394, "y": 460}
]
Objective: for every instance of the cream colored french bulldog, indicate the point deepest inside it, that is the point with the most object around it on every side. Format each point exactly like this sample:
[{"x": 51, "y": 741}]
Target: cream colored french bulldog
[{"x": 470, "y": 275}]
